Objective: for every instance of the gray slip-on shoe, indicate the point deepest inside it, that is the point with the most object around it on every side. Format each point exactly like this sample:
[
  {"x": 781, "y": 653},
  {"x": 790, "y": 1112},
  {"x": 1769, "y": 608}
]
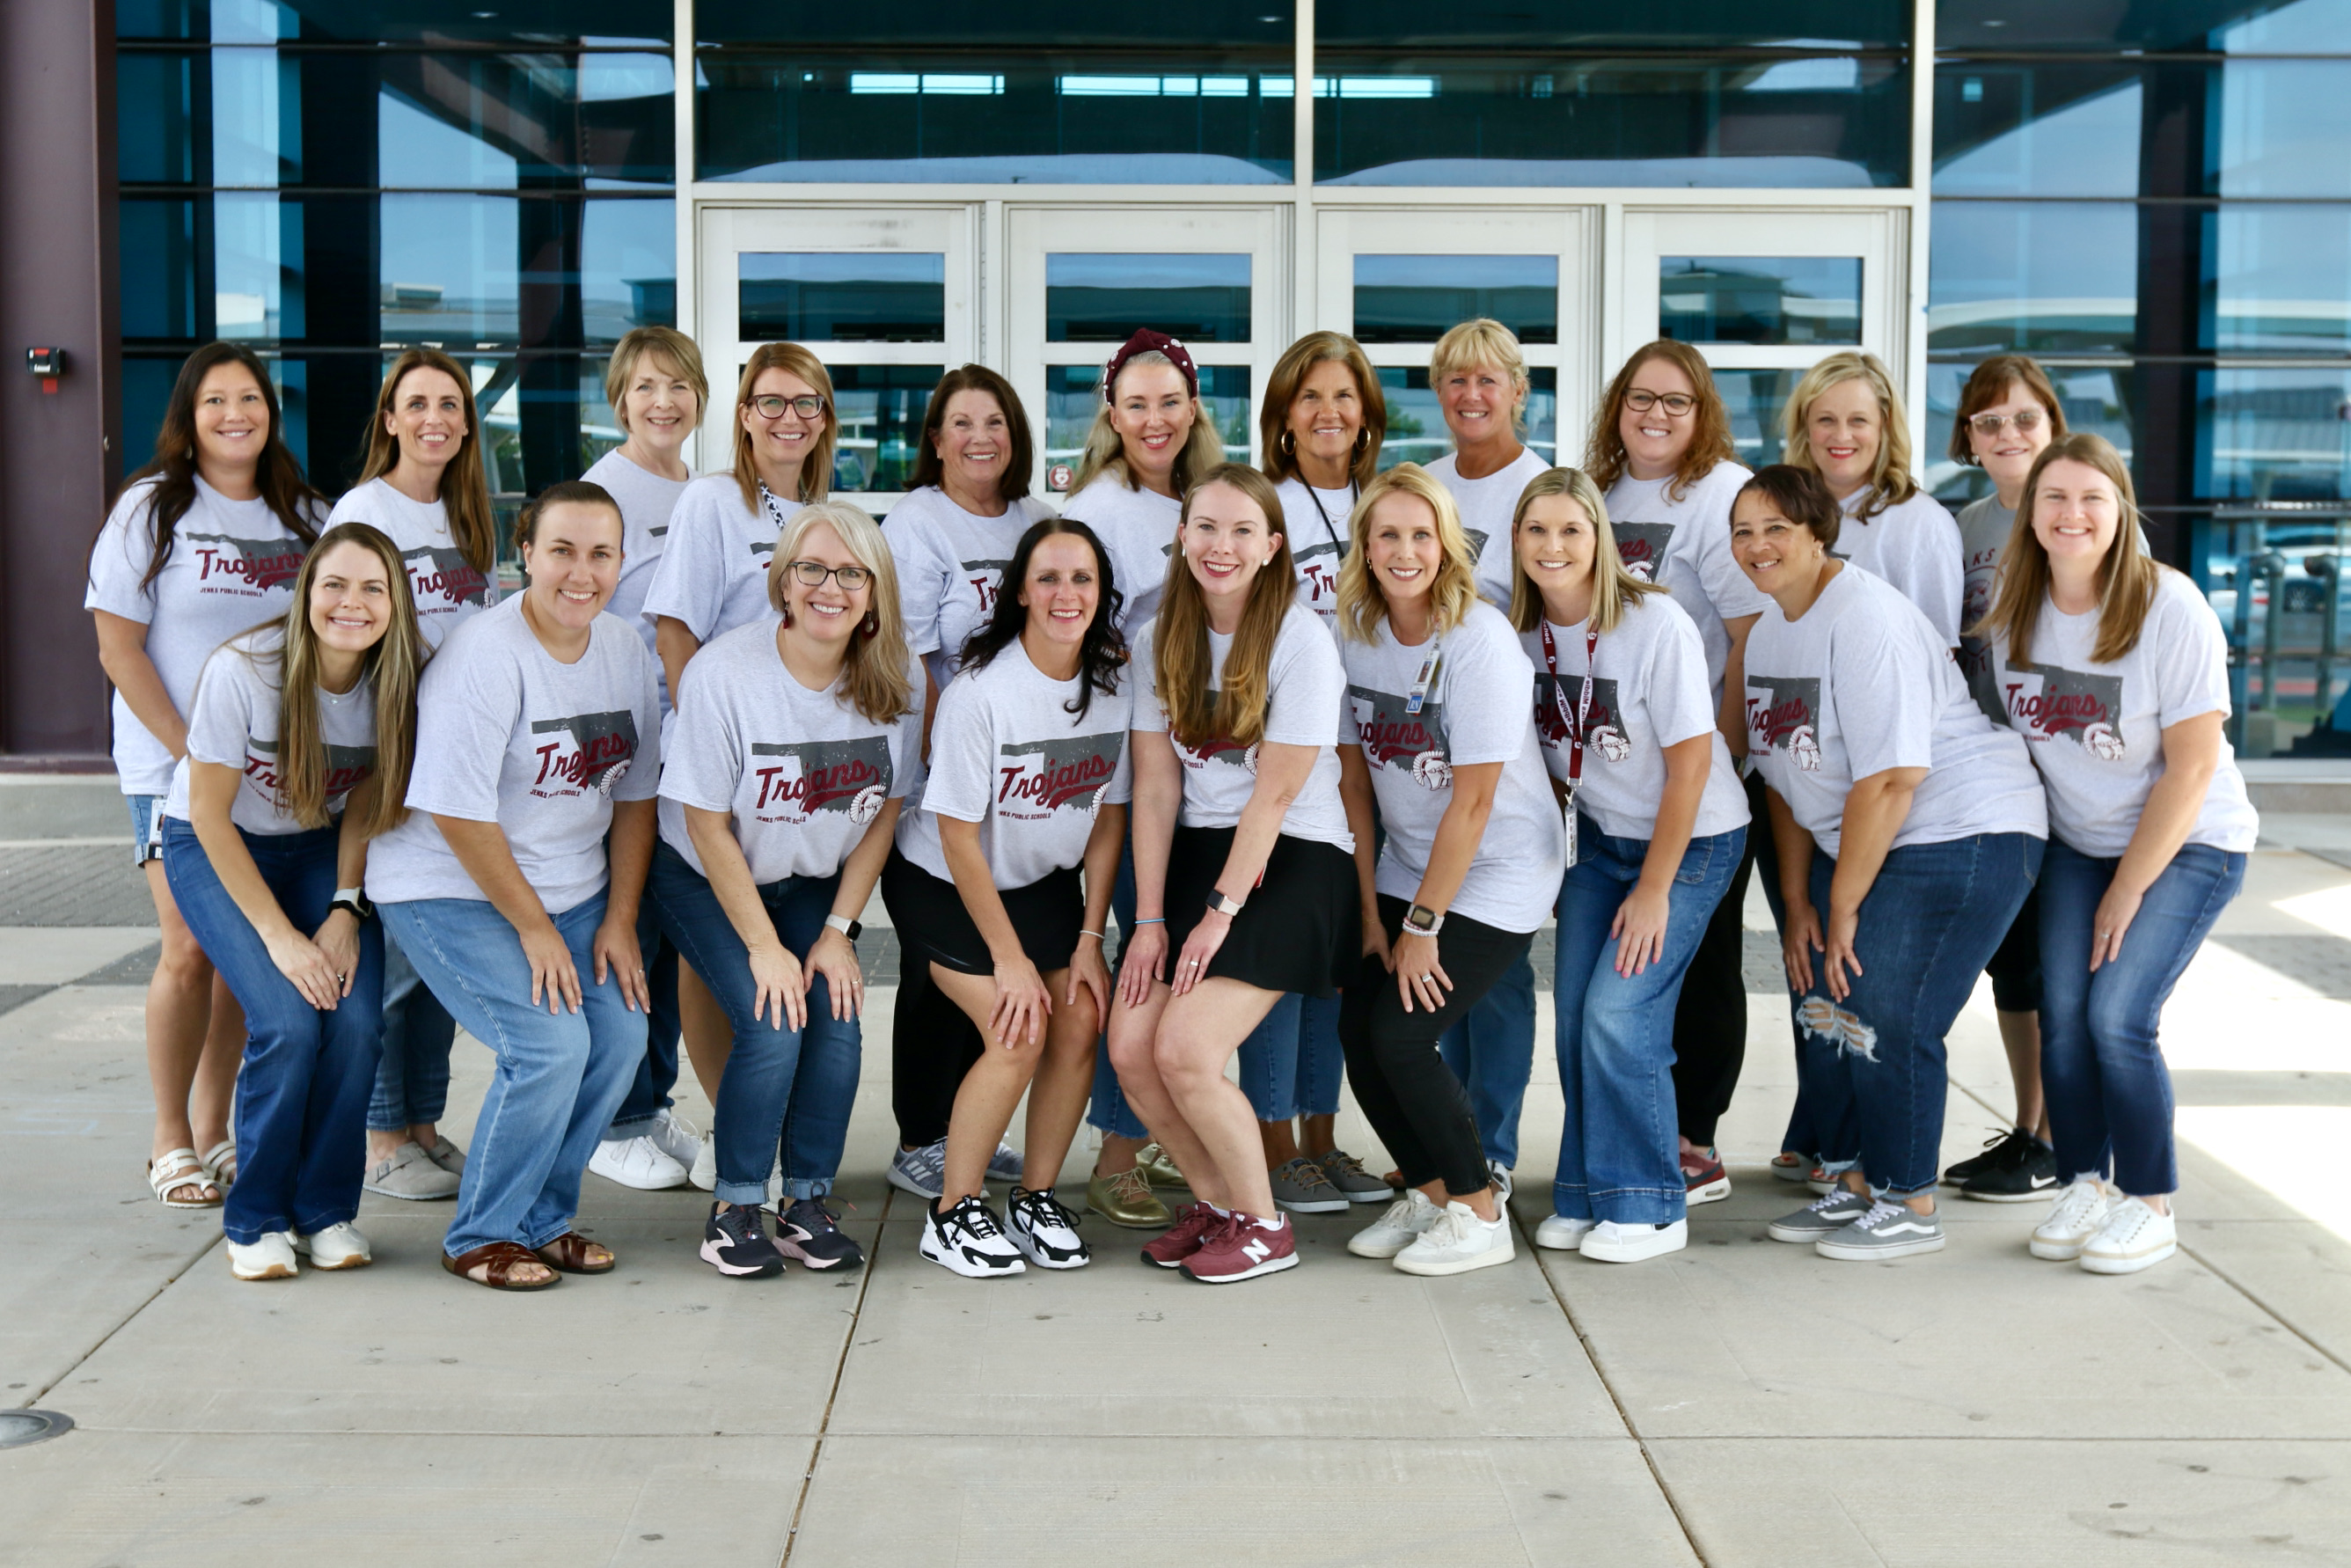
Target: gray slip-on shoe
[
  {"x": 409, "y": 1172},
  {"x": 1820, "y": 1217},
  {"x": 1888, "y": 1230}
]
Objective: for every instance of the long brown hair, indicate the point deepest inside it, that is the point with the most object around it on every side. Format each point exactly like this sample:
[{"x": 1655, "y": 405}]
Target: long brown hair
[
  {"x": 1454, "y": 591},
  {"x": 1180, "y": 642},
  {"x": 1282, "y": 389},
  {"x": 816, "y": 469},
  {"x": 389, "y": 669},
  {"x": 1020, "y": 454},
  {"x": 173, "y": 468},
  {"x": 873, "y": 678},
  {"x": 1605, "y": 457},
  {"x": 1891, "y": 482},
  {"x": 464, "y": 485},
  {"x": 1988, "y": 383},
  {"x": 2127, "y": 578}
]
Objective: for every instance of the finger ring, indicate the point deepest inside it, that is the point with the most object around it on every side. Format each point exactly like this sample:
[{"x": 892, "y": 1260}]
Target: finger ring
[{"x": 340, "y": 978}]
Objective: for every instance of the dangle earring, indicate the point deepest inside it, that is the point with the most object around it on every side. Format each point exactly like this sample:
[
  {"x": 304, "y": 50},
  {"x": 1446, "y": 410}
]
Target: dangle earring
[
  {"x": 870, "y": 626},
  {"x": 785, "y": 612}
]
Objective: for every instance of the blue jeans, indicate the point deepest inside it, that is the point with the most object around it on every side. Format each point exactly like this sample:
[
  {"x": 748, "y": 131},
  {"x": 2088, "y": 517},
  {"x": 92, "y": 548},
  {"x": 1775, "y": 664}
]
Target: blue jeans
[
  {"x": 1620, "y": 1147},
  {"x": 649, "y": 1094},
  {"x": 559, "y": 1076},
  {"x": 2101, "y": 1064},
  {"x": 798, "y": 1084},
  {"x": 1872, "y": 1070},
  {"x": 302, "y": 1092},
  {"x": 1492, "y": 1051},
  {"x": 1109, "y": 1111},
  {"x": 412, "y": 1080},
  {"x": 1291, "y": 1063}
]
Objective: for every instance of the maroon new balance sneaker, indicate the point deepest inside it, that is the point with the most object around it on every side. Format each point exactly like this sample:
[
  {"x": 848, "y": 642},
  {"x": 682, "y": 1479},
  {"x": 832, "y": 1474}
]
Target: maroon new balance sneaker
[
  {"x": 1242, "y": 1247},
  {"x": 1171, "y": 1247}
]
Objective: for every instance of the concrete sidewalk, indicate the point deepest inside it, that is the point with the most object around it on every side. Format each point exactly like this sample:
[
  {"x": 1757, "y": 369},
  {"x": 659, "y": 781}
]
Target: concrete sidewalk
[{"x": 1738, "y": 1403}]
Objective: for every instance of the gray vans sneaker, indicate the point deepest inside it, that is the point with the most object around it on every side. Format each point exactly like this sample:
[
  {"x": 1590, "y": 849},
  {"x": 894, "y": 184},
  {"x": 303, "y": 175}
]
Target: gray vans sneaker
[
  {"x": 1888, "y": 1230},
  {"x": 1823, "y": 1214}
]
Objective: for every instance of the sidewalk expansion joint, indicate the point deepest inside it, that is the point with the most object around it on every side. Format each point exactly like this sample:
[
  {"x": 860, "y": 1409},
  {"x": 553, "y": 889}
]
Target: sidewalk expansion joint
[{"x": 841, "y": 1367}]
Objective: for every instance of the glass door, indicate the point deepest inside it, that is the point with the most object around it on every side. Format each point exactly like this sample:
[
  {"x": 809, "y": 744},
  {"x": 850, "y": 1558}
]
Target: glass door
[
  {"x": 1764, "y": 296},
  {"x": 884, "y": 296},
  {"x": 1080, "y": 280},
  {"x": 1399, "y": 279}
]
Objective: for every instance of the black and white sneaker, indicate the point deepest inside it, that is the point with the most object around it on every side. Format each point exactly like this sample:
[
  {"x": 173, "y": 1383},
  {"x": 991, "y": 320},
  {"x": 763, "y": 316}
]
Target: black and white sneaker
[
  {"x": 2023, "y": 1169},
  {"x": 967, "y": 1239},
  {"x": 735, "y": 1242},
  {"x": 2000, "y": 1148},
  {"x": 1045, "y": 1229},
  {"x": 809, "y": 1231}
]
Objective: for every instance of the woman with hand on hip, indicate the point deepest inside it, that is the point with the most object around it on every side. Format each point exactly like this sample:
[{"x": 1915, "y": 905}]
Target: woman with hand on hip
[
  {"x": 780, "y": 794},
  {"x": 1244, "y": 887},
  {"x": 1907, "y": 831},
  {"x": 1026, "y": 788},
  {"x": 2114, "y": 669},
  {"x": 513, "y": 885},
  {"x": 1438, "y": 731},
  {"x": 1629, "y": 733},
  {"x": 203, "y": 542},
  {"x": 298, "y": 754}
]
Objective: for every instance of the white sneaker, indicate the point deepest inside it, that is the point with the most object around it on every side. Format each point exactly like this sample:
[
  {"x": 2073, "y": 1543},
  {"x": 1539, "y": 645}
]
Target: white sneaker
[
  {"x": 1501, "y": 1175},
  {"x": 271, "y": 1257},
  {"x": 1458, "y": 1243},
  {"x": 336, "y": 1246},
  {"x": 636, "y": 1162},
  {"x": 1045, "y": 1231},
  {"x": 1406, "y": 1220},
  {"x": 2079, "y": 1214},
  {"x": 1611, "y": 1242},
  {"x": 2135, "y": 1238},
  {"x": 704, "y": 1173},
  {"x": 1561, "y": 1234},
  {"x": 675, "y": 1136},
  {"x": 967, "y": 1239}
]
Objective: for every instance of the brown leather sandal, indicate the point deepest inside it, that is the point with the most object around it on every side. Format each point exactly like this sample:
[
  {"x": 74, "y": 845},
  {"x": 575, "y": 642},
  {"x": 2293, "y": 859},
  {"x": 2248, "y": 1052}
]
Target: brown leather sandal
[
  {"x": 569, "y": 1252},
  {"x": 502, "y": 1258}
]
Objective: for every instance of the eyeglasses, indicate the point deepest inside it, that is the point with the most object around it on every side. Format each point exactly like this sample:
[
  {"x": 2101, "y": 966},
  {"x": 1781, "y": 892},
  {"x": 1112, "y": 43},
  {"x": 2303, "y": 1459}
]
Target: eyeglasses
[
  {"x": 1991, "y": 425},
  {"x": 1641, "y": 401},
  {"x": 772, "y": 407},
  {"x": 812, "y": 573}
]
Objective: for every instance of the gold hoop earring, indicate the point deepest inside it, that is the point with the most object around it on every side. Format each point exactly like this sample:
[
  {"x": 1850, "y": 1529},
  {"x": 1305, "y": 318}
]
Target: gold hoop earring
[{"x": 1289, "y": 443}]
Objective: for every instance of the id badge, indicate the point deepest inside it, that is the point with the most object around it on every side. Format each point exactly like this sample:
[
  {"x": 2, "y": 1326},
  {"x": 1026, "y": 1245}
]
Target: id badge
[{"x": 1567, "y": 809}]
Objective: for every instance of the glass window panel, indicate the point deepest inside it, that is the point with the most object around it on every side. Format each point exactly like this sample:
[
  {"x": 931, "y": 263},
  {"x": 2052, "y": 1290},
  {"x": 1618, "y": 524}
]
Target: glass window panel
[
  {"x": 1417, "y": 299},
  {"x": 452, "y": 268},
  {"x": 2068, "y": 129},
  {"x": 2273, "y": 435},
  {"x": 628, "y": 268},
  {"x": 2033, "y": 278},
  {"x": 841, "y": 296},
  {"x": 248, "y": 116},
  {"x": 2098, "y": 399},
  {"x": 1417, "y": 432},
  {"x": 2284, "y": 129},
  {"x": 156, "y": 138},
  {"x": 1754, "y": 400},
  {"x": 1784, "y": 23},
  {"x": 1759, "y": 300},
  {"x": 546, "y": 23},
  {"x": 881, "y": 411},
  {"x": 1072, "y": 394},
  {"x": 2258, "y": 27},
  {"x": 1512, "y": 119},
  {"x": 1104, "y": 296},
  {"x": 157, "y": 253},
  {"x": 1263, "y": 24},
  {"x": 2278, "y": 279},
  {"x": 249, "y": 240},
  {"x": 491, "y": 121},
  {"x": 910, "y": 114},
  {"x": 2299, "y": 27}
]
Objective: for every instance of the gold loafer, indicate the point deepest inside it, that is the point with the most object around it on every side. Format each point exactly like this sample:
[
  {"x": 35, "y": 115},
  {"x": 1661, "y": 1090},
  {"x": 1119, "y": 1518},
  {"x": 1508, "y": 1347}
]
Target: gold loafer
[
  {"x": 1125, "y": 1199},
  {"x": 1157, "y": 1168}
]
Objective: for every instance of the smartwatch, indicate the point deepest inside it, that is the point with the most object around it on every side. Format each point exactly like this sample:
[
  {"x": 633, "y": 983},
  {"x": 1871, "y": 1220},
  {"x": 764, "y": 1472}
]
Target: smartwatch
[
  {"x": 354, "y": 899},
  {"x": 1422, "y": 921},
  {"x": 853, "y": 929},
  {"x": 1219, "y": 904}
]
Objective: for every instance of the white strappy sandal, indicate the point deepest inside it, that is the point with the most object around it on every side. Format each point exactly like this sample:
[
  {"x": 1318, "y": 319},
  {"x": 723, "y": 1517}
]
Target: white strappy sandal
[
  {"x": 220, "y": 1164},
  {"x": 180, "y": 1168}
]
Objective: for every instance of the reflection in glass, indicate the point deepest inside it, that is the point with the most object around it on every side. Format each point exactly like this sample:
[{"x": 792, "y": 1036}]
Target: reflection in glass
[
  {"x": 880, "y": 409},
  {"x": 842, "y": 297},
  {"x": 2273, "y": 435},
  {"x": 1104, "y": 297},
  {"x": 2093, "y": 397},
  {"x": 1417, "y": 432},
  {"x": 1417, "y": 299},
  {"x": 550, "y": 23},
  {"x": 2033, "y": 278},
  {"x": 452, "y": 267},
  {"x": 2046, "y": 129},
  {"x": 1754, "y": 400},
  {"x": 2278, "y": 279},
  {"x": 2284, "y": 126},
  {"x": 480, "y": 121},
  {"x": 1072, "y": 394},
  {"x": 1759, "y": 300},
  {"x": 156, "y": 250},
  {"x": 1786, "y": 23},
  {"x": 2306, "y": 27}
]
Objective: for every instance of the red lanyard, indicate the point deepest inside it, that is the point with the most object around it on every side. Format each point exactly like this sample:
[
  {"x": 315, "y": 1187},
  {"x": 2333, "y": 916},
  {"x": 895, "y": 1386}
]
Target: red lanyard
[{"x": 1582, "y": 703}]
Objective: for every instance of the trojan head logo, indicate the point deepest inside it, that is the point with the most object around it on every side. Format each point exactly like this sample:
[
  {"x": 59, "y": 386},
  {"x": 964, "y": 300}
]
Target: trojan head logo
[
  {"x": 1036, "y": 778},
  {"x": 1642, "y": 548},
  {"x": 1784, "y": 713},
  {"x": 1602, "y": 730},
  {"x": 587, "y": 751},
  {"x": 986, "y": 578},
  {"x": 798, "y": 778},
  {"x": 226, "y": 564},
  {"x": 2045, "y": 701},
  {"x": 1390, "y": 735},
  {"x": 442, "y": 580}
]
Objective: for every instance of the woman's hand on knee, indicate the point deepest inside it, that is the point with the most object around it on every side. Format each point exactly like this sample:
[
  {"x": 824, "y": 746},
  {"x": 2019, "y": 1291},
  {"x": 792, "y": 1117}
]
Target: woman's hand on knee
[
  {"x": 1089, "y": 973},
  {"x": 1023, "y": 1002},
  {"x": 616, "y": 956},
  {"x": 552, "y": 974},
  {"x": 1143, "y": 963},
  {"x": 779, "y": 989},
  {"x": 834, "y": 960},
  {"x": 308, "y": 969}
]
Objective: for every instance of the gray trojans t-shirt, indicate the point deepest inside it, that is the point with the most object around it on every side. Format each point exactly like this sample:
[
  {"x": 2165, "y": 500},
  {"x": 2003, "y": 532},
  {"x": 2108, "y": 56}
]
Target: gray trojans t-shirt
[
  {"x": 951, "y": 566},
  {"x": 713, "y": 574},
  {"x": 647, "y": 501},
  {"x": 234, "y": 725},
  {"x": 1685, "y": 546},
  {"x": 1317, "y": 524},
  {"x": 1913, "y": 546},
  {"x": 1138, "y": 528}
]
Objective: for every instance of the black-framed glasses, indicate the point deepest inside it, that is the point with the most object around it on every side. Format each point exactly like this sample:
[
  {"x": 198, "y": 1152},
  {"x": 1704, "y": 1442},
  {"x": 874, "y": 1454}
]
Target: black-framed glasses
[
  {"x": 2026, "y": 421},
  {"x": 812, "y": 573},
  {"x": 1640, "y": 400},
  {"x": 808, "y": 405}
]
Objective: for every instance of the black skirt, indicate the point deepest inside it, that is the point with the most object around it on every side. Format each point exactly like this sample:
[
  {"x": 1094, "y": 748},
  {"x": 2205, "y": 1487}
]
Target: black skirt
[
  {"x": 933, "y": 923},
  {"x": 1302, "y": 928}
]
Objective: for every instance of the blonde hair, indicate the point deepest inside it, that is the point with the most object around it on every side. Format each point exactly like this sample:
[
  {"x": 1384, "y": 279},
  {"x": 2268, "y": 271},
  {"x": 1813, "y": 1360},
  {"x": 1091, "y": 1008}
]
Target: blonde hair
[
  {"x": 1613, "y": 588},
  {"x": 1105, "y": 451},
  {"x": 1484, "y": 342},
  {"x": 1890, "y": 479},
  {"x": 1180, "y": 641},
  {"x": 670, "y": 344},
  {"x": 464, "y": 485},
  {"x": 2127, "y": 578},
  {"x": 1289, "y": 374},
  {"x": 1604, "y": 456},
  {"x": 1453, "y": 593},
  {"x": 816, "y": 469},
  {"x": 873, "y": 677}
]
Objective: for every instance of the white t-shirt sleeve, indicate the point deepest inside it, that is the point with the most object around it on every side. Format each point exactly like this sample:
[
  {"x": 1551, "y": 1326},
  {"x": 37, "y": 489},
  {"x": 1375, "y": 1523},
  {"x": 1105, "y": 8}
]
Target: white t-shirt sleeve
[
  {"x": 704, "y": 758},
  {"x": 690, "y": 583},
  {"x": 1308, "y": 685},
  {"x": 1143, "y": 669},
  {"x": 2191, "y": 658},
  {"x": 118, "y": 561},
  {"x": 1489, "y": 692},
  {"x": 1681, "y": 702},
  {"x": 220, "y": 721},
  {"x": 466, "y": 711},
  {"x": 962, "y": 750},
  {"x": 1886, "y": 697},
  {"x": 643, "y": 780},
  {"x": 921, "y": 570}
]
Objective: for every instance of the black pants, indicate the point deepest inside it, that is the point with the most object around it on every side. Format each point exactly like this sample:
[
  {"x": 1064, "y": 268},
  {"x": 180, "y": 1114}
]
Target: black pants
[
  {"x": 933, "y": 1044},
  {"x": 1710, "y": 1020},
  {"x": 1413, "y": 1100}
]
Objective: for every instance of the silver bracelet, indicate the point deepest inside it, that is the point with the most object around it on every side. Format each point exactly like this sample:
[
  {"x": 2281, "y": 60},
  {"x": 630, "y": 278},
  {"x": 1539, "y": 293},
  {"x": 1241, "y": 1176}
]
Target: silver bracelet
[{"x": 1095, "y": 934}]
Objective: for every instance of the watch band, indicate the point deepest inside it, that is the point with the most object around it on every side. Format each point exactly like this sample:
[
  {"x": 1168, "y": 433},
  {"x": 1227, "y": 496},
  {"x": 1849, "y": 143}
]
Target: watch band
[
  {"x": 354, "y": 899},
  {"x": 853, "y": 929},
  {"x": 1422, "y": 921},
  {"x": 1219, "y": 904}
]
